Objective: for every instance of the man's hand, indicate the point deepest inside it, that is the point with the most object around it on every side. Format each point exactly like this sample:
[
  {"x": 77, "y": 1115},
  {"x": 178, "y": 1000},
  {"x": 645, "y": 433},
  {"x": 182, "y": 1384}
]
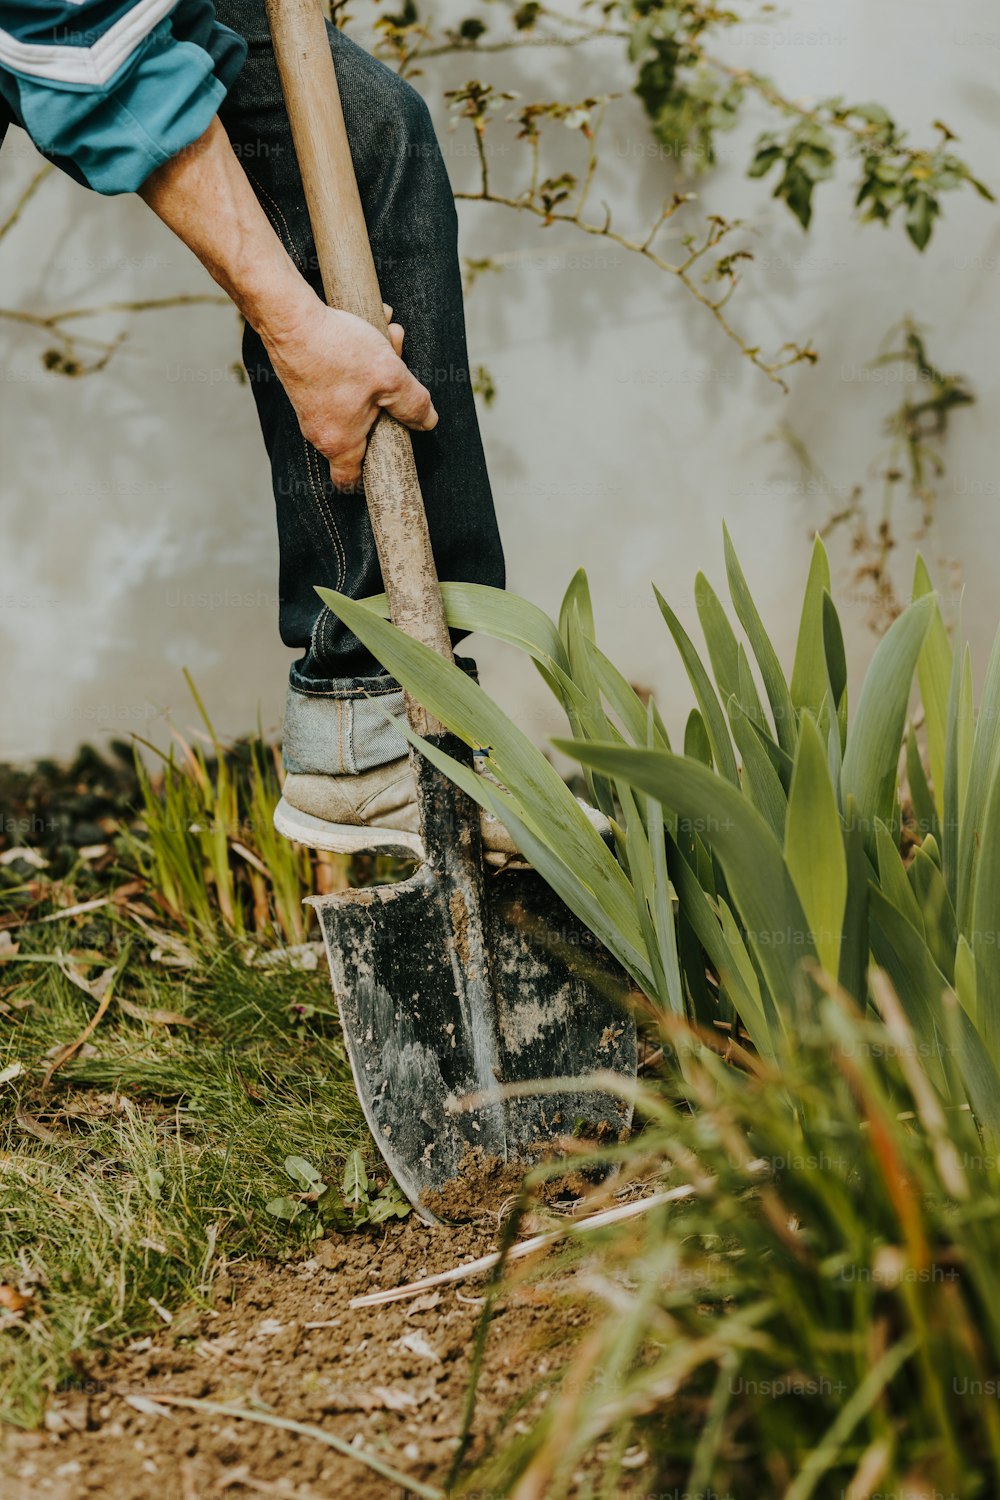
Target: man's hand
[{"x": 338, "y": 371}]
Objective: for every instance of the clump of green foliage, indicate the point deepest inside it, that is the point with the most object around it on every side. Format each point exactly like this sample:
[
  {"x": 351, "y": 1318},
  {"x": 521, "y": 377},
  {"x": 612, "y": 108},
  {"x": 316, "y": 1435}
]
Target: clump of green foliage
[
  {"x": 360, "y": 1200},
  {"x": 777, "y": 833},
  {"x": 815, "y": 890},
  {"x": 209, "y": 845},
  {"x": 812, "y": 1315}
]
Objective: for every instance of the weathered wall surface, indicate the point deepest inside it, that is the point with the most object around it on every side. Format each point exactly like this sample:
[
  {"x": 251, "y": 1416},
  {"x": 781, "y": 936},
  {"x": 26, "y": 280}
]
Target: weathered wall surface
[{"x": 137, "y": 533}]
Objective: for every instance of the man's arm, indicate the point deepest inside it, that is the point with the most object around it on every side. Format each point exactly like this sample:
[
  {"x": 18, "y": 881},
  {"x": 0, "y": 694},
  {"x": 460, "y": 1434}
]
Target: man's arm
[{"x": 337, "y": 370}]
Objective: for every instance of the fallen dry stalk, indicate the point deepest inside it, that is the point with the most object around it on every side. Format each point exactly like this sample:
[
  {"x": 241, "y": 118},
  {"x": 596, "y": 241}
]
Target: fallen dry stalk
[
  {"x": 101, "y": 990},
  {"x": 525, "y": 1247},
  {"x": 304, "y": 1429}
]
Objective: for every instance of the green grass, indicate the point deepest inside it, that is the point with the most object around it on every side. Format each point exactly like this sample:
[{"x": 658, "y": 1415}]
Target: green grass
[
  {"x": 163, "y": 1143},
  {"x": 163, "y": 1147}
]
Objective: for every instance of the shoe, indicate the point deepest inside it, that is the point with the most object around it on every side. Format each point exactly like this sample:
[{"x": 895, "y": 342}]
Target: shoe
[{"x": 376, "y": 810}]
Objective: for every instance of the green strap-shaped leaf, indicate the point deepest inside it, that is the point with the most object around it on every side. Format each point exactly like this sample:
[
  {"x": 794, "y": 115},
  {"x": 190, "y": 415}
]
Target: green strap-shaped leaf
[
  {"x": 934, "y": 675},
  {"x": 923, "y": 991},
  {"x": 702, "y": 919},
  {"x": 720, "y": 638},
  {"x": 749, "y": 697},
  {"x": 853, "y": 975},
  {"x": 775, "y": 685},
  {"x": 497, "y": 613},
  {"x": 940, "y": 927},
  {"x": 836, "y": 676},
  {"x": 645, "y": 854},
  {"x": 740, "y": 839},
  {"x": 617, "y": 929},
  {"x": 760, "y": 781},
  {"x": 704, "y": 692},
  {"x": 577, "y": 597},
  {"x": 966, "y": 746},
  {"x": 638, "y": 861},
  {"x": 871, "y": 759},
  {"x": 982, "y": 770},
  {"x": 742, "y": 981},
  {"x": 809, "y": 672},
  {"x": 892, "y": 879},
  {"x": 984, "y": 932},
  {"x": 958, "y": 757},
  {"x": 834, "y": 753},
  {"x": 696, "y": 742},
  {"x": 931, "y": 848},
  {"x": 833, "y": 648},
  {"x": 781, "y": 761},
  {"x": 900, "y": 950},
  {"x": 703, "y": 1004},
  {"x": 814, "y": 846},
  {"x": 625, "y": 701},
  {"x": 588, "y": 719},
  {"x": 965, "y": 979},
  {"x": 924, "y": 807},
  {"x": 661, "y": 902},
  {"x": 541, "y": 802}
]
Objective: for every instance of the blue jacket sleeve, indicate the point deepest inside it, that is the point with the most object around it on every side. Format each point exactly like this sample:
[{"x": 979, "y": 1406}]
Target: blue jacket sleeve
[{"x": 111, "y": 132}]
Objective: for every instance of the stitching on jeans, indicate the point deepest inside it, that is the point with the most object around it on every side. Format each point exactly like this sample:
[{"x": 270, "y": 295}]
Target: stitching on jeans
[
  {"x": 332, "y": 692},
  {"x": 320, "y": 622},
  {"x": 326, "y": 511},
  {"x": 340, "y": 732},
  {"x": 320, "y": 638},
  {"x": 292, "y": 248},
  {"x": 314, "y": 634},
  {"x": 316, "y": 479}
]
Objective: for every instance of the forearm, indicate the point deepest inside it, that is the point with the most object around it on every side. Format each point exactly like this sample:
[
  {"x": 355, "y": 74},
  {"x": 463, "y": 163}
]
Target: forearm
[
  {"x": 204, "y": 196},
  {"x": 337, "y": 371}
]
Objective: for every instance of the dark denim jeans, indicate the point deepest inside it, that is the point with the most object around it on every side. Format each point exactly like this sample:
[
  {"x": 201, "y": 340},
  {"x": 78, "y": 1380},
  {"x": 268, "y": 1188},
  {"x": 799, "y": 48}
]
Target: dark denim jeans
[{"x": 338, "y": 694}]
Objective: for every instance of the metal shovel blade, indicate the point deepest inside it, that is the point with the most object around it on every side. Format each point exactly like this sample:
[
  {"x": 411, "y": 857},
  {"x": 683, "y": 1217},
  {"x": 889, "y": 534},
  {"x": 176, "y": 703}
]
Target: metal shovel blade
[{"x": 412, "y": 1003}]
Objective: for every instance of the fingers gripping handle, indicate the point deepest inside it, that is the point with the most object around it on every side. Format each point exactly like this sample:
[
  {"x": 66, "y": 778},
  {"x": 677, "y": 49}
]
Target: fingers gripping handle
[{"x": 350, "y": 281}]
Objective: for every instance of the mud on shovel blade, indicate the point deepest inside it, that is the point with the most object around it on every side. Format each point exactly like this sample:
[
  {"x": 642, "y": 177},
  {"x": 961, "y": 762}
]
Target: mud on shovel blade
[
  {"x": 447, "y": 983},
  {"x": 432, "y": 1013},
  {"x": 413, "y": 983}
]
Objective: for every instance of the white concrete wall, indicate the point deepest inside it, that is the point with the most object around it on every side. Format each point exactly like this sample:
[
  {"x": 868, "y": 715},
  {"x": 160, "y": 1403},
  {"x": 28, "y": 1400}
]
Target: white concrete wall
[{"x": 137, "y": 523}]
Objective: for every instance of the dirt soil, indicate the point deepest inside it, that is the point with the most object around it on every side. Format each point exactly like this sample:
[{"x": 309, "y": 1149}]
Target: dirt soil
[{"x": 392, "y": 1379}]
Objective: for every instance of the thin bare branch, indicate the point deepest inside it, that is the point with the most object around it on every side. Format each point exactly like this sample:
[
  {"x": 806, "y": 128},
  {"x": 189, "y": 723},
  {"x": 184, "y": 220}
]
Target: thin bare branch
[{"x": 25, "y": 198}]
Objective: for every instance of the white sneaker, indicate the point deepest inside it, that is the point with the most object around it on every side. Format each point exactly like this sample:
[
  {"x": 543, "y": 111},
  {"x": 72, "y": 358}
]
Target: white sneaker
[{"x": 376, "y": 810}]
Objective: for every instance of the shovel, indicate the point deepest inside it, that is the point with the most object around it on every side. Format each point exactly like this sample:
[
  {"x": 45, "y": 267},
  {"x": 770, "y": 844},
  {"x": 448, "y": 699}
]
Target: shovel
[{"x": 450, "y": 984}]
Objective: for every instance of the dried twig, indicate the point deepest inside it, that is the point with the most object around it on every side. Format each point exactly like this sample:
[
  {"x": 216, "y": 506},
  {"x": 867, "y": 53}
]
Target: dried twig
[
  {"x": 525, "y": 1248},
  {"x": 67, "y": 359},
  {"x": 34, "y": 1127},
  {"x": 26, "y": 196},
  {"x": 58, "y": 916},
  {"x": 716, "y": 230},
  {"x": 305, "y": 1429},
  {"x": 117, "y": 897},
  {"x": 100, "y": 990}
]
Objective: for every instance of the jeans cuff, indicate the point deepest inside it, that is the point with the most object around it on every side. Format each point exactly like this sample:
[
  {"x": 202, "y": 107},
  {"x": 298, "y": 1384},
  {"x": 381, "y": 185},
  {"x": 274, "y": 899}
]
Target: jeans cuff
[
  {"x": 338, "y": 734},
  {"x": 339, "y": 727}
]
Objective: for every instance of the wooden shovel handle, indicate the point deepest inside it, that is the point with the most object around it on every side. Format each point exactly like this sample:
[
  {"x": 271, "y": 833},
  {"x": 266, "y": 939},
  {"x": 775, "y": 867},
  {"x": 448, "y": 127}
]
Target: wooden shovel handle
[{"x": 350, "y": 282}]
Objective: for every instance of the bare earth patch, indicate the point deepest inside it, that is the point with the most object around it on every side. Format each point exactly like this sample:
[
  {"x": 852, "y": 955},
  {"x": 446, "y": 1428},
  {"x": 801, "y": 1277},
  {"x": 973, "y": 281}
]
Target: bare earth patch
[{"x": 392, "y": 1379}]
